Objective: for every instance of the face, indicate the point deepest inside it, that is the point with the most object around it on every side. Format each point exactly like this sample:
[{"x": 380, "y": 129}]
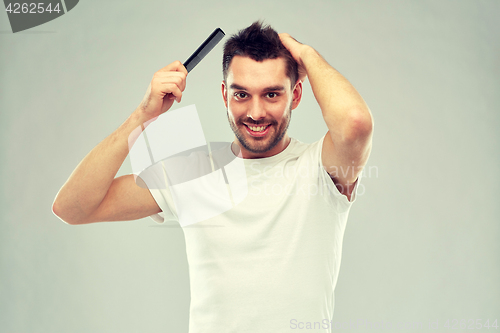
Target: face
[{"x": 259, "y": 99}]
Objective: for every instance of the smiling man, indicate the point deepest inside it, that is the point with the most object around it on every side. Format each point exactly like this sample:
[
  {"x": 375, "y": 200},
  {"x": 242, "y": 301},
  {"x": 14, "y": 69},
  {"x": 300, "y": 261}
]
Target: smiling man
[
  {"x": 274, "y": 263},
  {"x": 259, "y": 101}
]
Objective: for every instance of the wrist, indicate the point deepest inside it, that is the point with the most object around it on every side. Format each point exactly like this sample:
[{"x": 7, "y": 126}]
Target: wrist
[
  {"x": 140, "y": 117},
  {"x": 306, "y": 54}
]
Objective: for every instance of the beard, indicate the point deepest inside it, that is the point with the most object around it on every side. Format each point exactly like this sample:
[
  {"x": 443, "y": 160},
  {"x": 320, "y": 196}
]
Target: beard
[{"x": 263, "y": 144}]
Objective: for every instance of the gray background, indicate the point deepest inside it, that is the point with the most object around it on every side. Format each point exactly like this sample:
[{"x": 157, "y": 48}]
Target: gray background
[{"x": 422, "y": 242}]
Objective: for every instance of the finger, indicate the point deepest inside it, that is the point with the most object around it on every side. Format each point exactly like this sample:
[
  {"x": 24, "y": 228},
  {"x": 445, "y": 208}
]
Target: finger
[
  {"x": 161, "y": 73},
  {"x": 286, "y": 38},
  {"x": 162, "y": 80},
  {"x": 175, "y": 92},
  {"x": 163, "y": 87},
  {"x": 172, "y": 77},
  {"x": 176, "y": 66}
]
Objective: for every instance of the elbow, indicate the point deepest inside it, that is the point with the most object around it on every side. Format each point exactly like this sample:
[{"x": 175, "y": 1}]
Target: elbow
[
  {"x": 63, "y": 213},
  {"x": 58, "y": 211},
  {"x": 359, "y": 125}
]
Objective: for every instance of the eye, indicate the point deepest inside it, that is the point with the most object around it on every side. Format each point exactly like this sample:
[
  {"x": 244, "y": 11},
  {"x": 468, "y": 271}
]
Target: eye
[
  {"x": 240, "y": 95},
  {"x": 272, "y": 95}
]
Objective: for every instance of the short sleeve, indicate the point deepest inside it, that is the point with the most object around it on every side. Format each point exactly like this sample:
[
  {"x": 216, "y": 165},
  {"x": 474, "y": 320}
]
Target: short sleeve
[
  {"x": 156, "y": 180},
  {"x": 326, "y": 181}
]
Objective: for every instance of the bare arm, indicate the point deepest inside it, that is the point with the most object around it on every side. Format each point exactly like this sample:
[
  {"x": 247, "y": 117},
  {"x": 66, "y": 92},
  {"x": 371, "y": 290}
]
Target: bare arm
[
  {"x": 347, "y": 144},
  {"x": 92, "y": 194}
]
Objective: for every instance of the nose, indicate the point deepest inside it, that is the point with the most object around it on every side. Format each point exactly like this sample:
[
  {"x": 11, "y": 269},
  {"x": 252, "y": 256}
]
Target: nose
[{"x": 257, "y": 110}]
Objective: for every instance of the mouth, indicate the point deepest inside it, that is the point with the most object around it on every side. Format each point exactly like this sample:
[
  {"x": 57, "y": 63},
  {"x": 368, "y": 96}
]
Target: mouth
[{"x": 257, "y": 131}]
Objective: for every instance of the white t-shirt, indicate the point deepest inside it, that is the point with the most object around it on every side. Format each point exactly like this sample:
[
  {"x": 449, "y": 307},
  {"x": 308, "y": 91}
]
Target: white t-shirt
[{"x": 269, "y": 262}]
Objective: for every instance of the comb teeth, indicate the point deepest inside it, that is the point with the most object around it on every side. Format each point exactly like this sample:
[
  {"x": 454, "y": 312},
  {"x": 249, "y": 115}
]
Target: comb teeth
[{"x": 204, "y": 49}]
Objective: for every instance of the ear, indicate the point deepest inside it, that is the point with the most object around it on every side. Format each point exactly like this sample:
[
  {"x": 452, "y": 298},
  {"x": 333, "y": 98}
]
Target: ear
[
  {"x": 224, "y": 92},
  {"x": 297, "y": 94}
]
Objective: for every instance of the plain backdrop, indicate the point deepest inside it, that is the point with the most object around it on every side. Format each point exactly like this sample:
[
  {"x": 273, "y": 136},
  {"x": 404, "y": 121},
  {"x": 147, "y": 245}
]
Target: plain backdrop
[{"x": 422, "y": 240}]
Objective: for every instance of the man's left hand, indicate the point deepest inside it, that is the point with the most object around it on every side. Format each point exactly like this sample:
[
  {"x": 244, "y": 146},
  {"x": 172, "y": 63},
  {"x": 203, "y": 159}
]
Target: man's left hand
[{"x": 297, "y": 50}]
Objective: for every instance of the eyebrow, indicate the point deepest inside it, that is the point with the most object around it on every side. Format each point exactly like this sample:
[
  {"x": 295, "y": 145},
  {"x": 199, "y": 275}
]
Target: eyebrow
[{"x": 267, "y": 89}]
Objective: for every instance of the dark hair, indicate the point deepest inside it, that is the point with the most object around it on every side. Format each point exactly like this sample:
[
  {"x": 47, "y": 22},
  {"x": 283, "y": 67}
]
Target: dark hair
[{"x": 259, "y": 43}]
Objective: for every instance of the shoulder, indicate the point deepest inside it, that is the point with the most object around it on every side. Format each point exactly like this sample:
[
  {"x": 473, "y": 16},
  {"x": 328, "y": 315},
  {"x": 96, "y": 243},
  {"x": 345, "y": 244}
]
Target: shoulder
[
  {"x": 300, "y": 148},
  {"x": 306, "y": 151}
]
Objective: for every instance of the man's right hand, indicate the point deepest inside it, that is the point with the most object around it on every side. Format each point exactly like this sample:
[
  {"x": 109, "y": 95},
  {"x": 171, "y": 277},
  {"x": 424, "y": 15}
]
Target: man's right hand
[
  {"x": 92, "y": 193},
  {"x": 166, "y": 86}
]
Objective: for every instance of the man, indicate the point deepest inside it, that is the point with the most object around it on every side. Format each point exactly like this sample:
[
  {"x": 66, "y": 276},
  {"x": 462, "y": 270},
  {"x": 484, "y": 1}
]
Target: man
[{"x": 274, "y": 264}]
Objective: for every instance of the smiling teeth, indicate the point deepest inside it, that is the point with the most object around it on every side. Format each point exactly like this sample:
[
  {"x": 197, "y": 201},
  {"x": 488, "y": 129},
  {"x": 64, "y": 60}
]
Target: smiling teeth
[{"x": 257, "y": 129}]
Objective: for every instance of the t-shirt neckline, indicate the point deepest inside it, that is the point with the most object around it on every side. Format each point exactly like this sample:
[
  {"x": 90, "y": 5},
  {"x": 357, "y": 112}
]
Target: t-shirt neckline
[{"x": 269, "y": 159}]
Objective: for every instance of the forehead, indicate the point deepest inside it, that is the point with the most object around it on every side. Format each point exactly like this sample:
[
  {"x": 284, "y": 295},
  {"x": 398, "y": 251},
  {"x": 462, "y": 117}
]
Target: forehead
[{"x": 251, "y": 74}]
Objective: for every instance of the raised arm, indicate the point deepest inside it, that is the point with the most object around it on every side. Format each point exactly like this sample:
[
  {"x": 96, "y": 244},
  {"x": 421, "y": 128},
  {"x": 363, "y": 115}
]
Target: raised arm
[
  {"x": 347, "y": 144},
  {"x": 92, "y": 193}
]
